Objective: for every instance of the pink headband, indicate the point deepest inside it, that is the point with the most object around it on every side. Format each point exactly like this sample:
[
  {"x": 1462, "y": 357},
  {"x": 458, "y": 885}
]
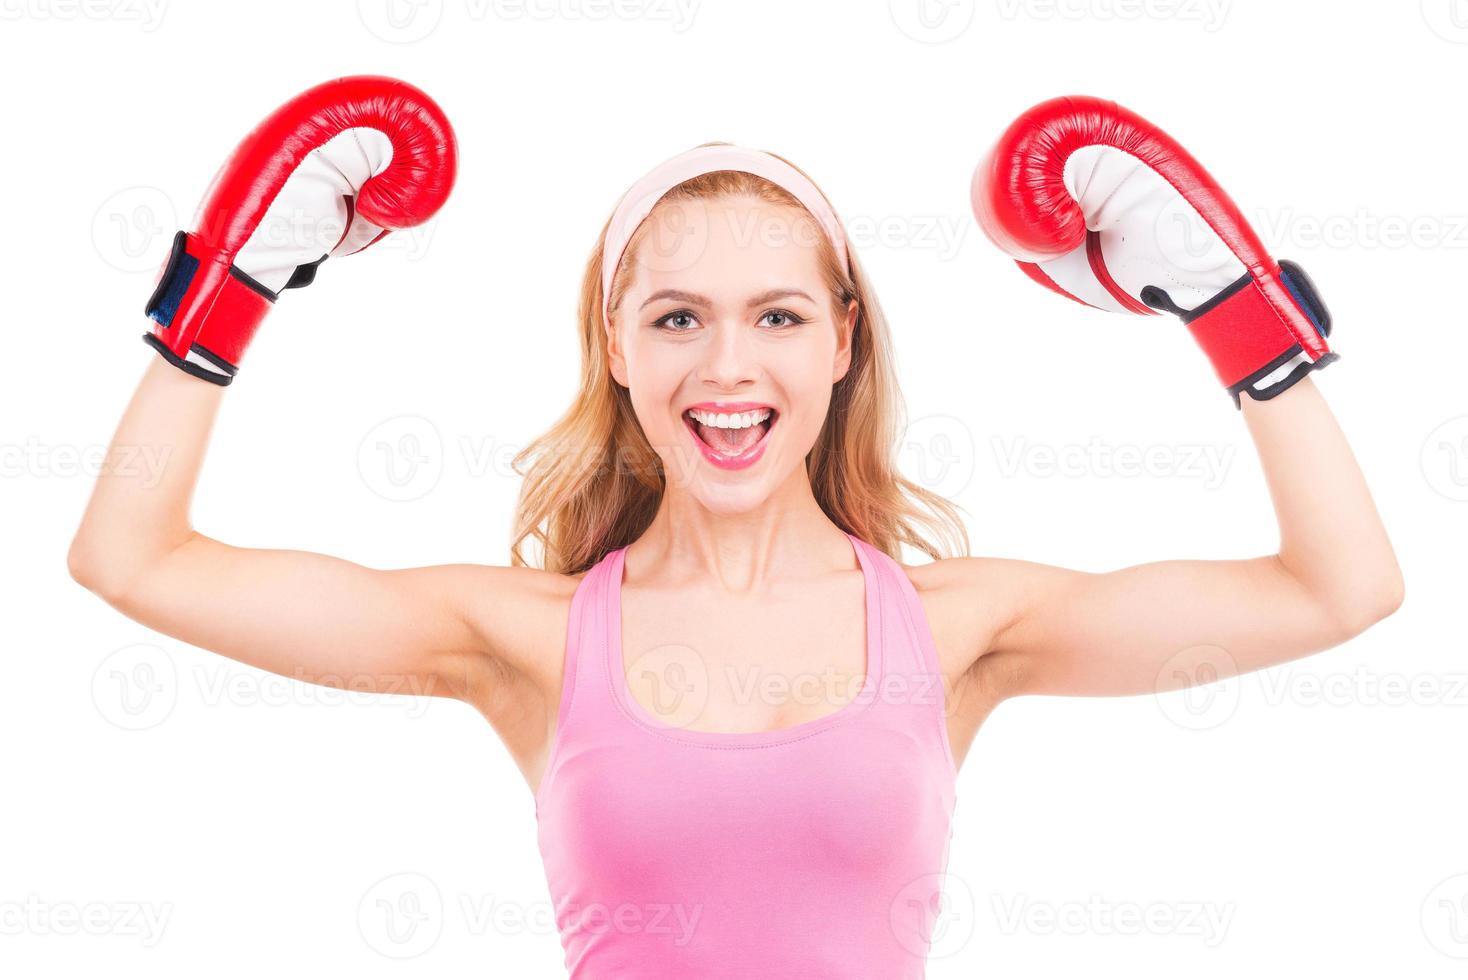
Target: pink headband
[{"x": 640, "y": 198}]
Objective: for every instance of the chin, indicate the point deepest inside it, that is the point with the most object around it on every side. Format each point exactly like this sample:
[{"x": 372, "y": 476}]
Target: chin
[{"x": 728, "y": 501}]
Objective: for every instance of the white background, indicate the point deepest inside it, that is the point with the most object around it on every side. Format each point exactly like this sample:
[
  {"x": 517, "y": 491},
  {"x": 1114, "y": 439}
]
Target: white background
[{"x": 1308, "y": 819}]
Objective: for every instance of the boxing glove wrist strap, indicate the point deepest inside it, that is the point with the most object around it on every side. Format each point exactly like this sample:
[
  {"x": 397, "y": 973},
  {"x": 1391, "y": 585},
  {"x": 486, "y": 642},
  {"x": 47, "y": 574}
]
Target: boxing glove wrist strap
[
  {"x": 1262, "y": 333},
  {"x": 204, "y": 311}
]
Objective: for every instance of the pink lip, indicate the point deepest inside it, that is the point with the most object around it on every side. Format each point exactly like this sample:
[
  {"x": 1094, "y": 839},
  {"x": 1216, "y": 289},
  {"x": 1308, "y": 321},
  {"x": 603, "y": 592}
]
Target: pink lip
[{"x": 722, "y": 460}]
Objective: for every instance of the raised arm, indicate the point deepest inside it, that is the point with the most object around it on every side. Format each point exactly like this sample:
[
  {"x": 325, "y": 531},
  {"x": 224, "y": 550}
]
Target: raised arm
[
  {"x": 306, "y": 616},
  {"x": 1099, "y": 205},
  {"x": 1150, "y": 627},
  {"x": 327, "y": 174}
]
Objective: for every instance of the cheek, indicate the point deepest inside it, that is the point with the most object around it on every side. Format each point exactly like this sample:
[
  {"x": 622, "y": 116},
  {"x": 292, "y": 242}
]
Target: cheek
[
  {"x": 808, "y": 399},
  {"x": 653, "y": 378},
  {"x": 654, "y": 411},
  {"x": 655, "y": 397}
]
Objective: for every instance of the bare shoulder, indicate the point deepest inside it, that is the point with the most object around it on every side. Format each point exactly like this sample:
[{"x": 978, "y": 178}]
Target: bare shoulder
[
  {"x": 520, "y": 615},
  {"x": 517, "y": 617},
  {"x": 969, "y": 601}
]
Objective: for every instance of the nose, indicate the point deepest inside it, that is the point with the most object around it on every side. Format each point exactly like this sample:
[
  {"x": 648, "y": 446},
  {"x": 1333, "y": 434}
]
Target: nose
[{"x": 730, "y": 358}]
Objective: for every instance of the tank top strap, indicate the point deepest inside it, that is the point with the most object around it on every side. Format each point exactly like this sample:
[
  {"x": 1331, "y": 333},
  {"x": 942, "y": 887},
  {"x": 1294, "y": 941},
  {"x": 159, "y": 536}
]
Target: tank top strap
[
  {"x": 901, "y": 641},
  {"x": 911, "y": 656},
  {"x": 585, "y": 685}
]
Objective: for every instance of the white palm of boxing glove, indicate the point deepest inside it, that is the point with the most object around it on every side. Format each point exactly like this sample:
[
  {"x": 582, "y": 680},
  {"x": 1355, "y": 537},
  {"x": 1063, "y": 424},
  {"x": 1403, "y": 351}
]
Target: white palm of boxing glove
[
  {"x": 329, "y": 173},
  {"x": 1099, "y": 205},
  {"x": 313, "y": 216}
]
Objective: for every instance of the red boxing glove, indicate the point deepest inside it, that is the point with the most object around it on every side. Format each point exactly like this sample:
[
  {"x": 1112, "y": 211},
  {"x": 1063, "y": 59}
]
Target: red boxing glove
[
  {"x": 1101, "y": 206},
  {"x": 329, "y": 173}
]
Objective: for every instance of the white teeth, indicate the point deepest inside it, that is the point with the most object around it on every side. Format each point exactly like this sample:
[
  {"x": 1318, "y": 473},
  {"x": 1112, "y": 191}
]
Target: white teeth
[{"x": 727, "y": 420}]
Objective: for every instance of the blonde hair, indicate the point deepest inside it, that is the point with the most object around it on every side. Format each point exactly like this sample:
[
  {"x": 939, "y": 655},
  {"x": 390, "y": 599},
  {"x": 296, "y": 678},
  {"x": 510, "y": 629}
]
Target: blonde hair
[{"x": 593, "y": 483}]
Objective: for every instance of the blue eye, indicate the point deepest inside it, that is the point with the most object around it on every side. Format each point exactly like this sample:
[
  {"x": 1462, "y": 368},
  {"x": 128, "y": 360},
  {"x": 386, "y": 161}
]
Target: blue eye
[
  {"x": 662, "y": 322},
  {"x": 791, "y": 319}
]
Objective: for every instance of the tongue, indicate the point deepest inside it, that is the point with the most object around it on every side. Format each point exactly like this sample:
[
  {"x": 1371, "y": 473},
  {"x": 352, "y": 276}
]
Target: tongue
[{"x": 730, "y": 441}]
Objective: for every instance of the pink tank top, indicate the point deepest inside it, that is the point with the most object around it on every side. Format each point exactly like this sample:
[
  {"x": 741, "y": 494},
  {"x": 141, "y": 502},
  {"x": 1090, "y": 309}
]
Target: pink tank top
[{"x": 812, "y": 851}]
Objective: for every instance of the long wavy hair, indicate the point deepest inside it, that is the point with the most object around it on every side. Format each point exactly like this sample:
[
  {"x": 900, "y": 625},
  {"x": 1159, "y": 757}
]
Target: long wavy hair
[{"x": 593, "y": 482}]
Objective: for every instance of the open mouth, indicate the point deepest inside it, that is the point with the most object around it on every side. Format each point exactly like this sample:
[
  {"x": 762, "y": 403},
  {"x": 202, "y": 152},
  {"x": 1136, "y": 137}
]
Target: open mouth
[{"x": 731, "y": 438}]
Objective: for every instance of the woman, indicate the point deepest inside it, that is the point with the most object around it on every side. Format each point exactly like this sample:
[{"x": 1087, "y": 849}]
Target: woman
[{"x": 740, "y": 717}]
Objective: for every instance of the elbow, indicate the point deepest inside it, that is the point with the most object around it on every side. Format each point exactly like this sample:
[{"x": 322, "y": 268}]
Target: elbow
[
  {"x": 84, "y": 566},
  {"x": 90, "y": 567},
  {"x": 79, "y": 564},
  {"x": 1368, "y": 607},
  {"x": 1387, "y": 597},
  {"x": 1394, "y": 593},
  {"x": 115, "y": 570}
]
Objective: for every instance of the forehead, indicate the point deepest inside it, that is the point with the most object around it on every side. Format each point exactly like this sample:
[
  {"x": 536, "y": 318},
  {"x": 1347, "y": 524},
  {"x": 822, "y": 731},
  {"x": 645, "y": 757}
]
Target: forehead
[{"x": 728, "y": 242}]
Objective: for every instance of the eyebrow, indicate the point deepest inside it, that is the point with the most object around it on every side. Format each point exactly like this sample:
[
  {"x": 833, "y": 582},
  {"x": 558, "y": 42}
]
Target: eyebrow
[{"x": 697, "y": 300}]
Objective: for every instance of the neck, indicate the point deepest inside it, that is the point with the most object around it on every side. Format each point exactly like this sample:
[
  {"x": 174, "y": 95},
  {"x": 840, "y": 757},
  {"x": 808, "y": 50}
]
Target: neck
[{"x": 785, "y": 537}]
